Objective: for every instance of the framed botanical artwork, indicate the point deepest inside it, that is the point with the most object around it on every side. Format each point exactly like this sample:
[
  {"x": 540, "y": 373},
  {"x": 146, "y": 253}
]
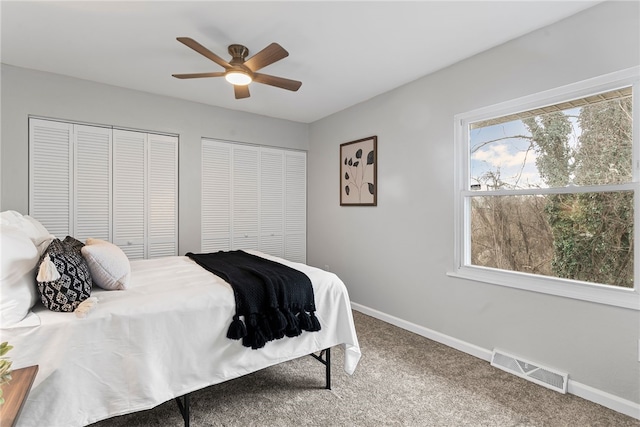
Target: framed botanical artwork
[{"x": 358, "y": 172}]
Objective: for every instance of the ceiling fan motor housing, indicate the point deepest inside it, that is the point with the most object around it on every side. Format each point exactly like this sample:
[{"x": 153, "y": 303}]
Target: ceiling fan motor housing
[{"x": 238, "y": 53}]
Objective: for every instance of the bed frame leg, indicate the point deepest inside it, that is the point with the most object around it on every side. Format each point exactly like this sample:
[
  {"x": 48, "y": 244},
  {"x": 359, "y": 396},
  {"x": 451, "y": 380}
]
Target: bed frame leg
[
  {"x": 183, "y": 405},
  {"x": 325, "y": 358},
  {"x": 328, "y": 369}
]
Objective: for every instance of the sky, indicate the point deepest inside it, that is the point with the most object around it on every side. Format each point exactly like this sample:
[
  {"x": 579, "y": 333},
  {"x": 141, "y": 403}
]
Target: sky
[{"x": 512, "y": 157}]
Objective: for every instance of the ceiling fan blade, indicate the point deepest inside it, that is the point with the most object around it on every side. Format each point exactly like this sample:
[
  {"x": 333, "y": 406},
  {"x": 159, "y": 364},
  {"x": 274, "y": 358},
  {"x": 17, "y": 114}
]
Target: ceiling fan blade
[
  {"x": 241, "y": 91},
  {"x": 280, "y": 82},
  {"x": 189, "y": 42},
  {"x": 267, "y": 56},
  {"x": 198, "y": 75}
]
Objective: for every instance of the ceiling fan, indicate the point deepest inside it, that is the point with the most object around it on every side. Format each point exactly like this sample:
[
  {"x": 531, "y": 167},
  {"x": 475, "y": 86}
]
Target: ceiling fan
[{"x": 240, "y": 71}]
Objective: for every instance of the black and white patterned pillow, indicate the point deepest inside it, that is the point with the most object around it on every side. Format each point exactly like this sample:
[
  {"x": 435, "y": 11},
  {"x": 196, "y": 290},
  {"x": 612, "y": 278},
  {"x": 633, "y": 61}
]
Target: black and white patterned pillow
[
  {"x": 74, "y": 284},
  {"x": 73, "y": 243}
]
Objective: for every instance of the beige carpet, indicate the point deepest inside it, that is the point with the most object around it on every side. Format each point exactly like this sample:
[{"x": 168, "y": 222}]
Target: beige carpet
[{"x": 403, "y": 379}]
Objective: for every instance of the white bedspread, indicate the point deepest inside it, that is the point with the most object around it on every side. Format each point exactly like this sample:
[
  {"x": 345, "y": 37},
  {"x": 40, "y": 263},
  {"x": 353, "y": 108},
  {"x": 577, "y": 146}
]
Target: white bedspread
[{"x": 162, "y": 338}]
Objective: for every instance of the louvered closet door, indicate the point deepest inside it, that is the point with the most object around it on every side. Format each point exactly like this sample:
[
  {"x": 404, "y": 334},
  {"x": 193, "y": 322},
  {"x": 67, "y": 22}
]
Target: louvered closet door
[
  {"x": 253, "y": 198},
  {"x": 92, "y": 181},
  {"x": 296, "y": 206},
  {"x": 163, "y": 196},
  {"x": 129, "y": 171},
  {"x": 50, "y": 175},
  {"x": 271, "y": 202},
  {"x": 245, "y": 202},
  {"x": 216, "y": 196}
]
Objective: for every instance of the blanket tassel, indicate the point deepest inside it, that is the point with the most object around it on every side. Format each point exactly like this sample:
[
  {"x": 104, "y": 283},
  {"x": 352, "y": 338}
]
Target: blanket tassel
[
  {"x": 237, "y": 329},
  {"x": 280, "y": 320},
  {"x": 278, "y": 323},
  {"x": 304, "y": 320},
  {"x": 265, "y": 327},
  {"x": 255, "y": 337},
  {"x": 315, "y": 323},
  {"x": 293, "y": 328}
]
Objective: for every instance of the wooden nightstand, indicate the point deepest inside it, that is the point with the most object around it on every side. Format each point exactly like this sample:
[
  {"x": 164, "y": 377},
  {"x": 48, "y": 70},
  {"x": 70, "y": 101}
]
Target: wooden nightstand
[{"x": 15, "y": 394}]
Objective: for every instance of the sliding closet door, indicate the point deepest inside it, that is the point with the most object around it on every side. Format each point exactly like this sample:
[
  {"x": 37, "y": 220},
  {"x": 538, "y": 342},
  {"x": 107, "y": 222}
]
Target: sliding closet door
[
  {"x": 115, "y": 185},
  {"x": 145, "y": 185},
  {"x": 92, "y": 182},
  {"x": 229, "y": 198},
  {"x": 216, "y": 196},
  {"x": 253, "y": 198},
  {"x": 272, "y": 201},
  {"x": 70, "y": 178},
  {"x": 295, "y": 184},
  {"x": 162, "y": 196},
  {"x": 50, "y": 175},
  {"x": 244, "y": 196},
  {"x": 129, "y": 171}
]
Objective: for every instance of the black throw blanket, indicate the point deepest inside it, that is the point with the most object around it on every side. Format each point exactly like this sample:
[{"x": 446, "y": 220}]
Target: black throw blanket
[{"x": 274, "y": 299}]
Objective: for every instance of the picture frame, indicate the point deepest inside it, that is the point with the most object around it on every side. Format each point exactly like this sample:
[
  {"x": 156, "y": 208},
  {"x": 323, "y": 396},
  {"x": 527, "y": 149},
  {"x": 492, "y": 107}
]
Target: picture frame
[{"x": 359, "y": 172}]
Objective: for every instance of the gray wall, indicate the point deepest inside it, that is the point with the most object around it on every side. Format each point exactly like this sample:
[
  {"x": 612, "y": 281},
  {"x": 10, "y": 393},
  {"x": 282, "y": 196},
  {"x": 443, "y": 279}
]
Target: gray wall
[
  {"x": 394, "y": 257},
  {"x": 28, "y": 92}
]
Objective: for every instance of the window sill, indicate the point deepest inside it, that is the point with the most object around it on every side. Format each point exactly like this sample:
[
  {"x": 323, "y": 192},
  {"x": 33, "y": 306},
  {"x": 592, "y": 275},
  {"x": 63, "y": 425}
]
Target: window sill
[{"x": 601, "y": 294}]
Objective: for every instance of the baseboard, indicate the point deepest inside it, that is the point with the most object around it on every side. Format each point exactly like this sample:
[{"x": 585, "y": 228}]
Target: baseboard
[
  {"x": 584, "y": 391},
  {"x": 463, "y": 346},
  {"x": 605, "y": 399}
]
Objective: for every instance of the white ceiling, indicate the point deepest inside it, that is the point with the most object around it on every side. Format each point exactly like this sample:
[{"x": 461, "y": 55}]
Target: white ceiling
[{"x": 343, "y": 52}]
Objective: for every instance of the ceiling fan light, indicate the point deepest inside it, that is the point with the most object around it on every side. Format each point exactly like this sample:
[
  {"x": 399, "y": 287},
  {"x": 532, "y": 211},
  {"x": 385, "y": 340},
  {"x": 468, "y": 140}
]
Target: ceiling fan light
[{"x": 238, "y": 78}]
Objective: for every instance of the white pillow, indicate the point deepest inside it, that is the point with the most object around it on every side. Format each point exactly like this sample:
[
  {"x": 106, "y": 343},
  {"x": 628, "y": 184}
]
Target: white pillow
[
  {"x": 18, "y": 291},
  {"x": 38, "y": 234},
  {"x": 109, "y": 266},
  {"x": 30, "y": 226},
  {"x": 11, "y": 218}
]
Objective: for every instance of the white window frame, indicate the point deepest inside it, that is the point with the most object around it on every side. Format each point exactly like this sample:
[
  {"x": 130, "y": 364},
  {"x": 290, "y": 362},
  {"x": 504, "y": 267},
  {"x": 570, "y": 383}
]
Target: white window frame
[{"x": 462, "y": 268}]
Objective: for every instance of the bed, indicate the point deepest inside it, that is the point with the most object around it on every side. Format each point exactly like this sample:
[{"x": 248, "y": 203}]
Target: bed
[{"x": 161, "y": 338}]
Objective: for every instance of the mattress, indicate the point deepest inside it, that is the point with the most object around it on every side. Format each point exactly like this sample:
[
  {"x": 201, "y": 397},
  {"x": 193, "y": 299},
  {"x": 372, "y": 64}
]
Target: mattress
[{"x": 163, "y": 337}]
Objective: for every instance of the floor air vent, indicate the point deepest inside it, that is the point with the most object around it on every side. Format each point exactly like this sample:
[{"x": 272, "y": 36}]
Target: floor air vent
[{"x": 530, "y": 371}]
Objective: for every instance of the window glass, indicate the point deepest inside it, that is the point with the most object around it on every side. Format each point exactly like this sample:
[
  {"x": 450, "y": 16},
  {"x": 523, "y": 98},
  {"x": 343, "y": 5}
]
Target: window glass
[
  {"x": 536, "y": 203},
  {"x": 590, "y": 144},
  {"x": 585, "y": 236}
]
